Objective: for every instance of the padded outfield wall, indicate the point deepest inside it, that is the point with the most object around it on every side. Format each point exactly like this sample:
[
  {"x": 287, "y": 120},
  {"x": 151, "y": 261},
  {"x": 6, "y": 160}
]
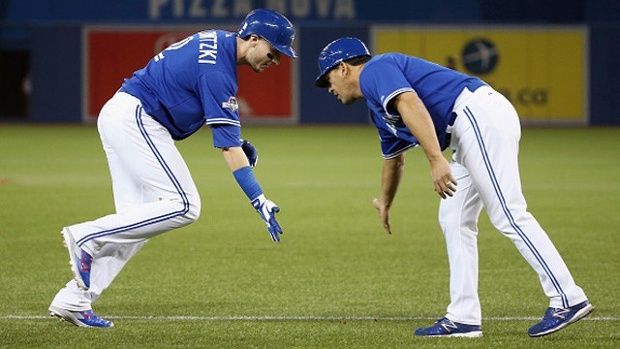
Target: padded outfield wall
[
  {"x": 544, "y": 71},
  {"x": 554, "y": 72}
]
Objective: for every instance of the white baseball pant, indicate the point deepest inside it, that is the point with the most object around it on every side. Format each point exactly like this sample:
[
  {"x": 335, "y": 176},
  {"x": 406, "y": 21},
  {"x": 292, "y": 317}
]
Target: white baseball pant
[
  {"x": 153, "y": 193},
  {"x": 485, "y": 141}
]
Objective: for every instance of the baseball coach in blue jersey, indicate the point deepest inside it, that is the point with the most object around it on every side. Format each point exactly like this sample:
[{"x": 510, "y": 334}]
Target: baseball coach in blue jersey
[
  {"x": 191, "y": 83},
  {"x": 414, "y": 102}
]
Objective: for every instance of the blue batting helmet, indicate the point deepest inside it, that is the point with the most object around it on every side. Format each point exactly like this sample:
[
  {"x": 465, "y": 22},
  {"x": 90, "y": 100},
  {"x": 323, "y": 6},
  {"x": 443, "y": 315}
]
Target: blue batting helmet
[
  {"x": 338, "y": 51},
  {"x": 271, "y": 26}
]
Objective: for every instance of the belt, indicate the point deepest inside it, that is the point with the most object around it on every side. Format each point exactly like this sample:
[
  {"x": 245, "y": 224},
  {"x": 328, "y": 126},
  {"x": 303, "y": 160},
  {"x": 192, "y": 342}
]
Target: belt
[{"x": 452, "y": 119}]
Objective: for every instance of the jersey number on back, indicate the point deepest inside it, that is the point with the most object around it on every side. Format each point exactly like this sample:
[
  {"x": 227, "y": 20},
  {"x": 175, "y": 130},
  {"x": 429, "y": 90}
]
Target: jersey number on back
[{"x": 177, "y": 45}]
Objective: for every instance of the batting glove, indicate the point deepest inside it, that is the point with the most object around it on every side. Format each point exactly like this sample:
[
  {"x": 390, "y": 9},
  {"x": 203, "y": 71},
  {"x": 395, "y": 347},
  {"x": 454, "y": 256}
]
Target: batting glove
[
  {"x": 250, "y": 151},
  {"x": 267, "y": 211}
]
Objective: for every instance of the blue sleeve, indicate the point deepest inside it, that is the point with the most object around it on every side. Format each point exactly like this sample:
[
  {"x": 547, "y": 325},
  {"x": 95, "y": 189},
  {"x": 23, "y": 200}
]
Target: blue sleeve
[
  {"x": 391, "y": 144},
  {"x": 382, "y": 81},
  {"x": 226, "y": 136},
  {"x": 217, "y": 92}
]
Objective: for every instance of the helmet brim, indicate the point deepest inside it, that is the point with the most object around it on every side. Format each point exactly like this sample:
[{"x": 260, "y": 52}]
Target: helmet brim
[
  {"x": 321, "y": 80},
  {"x": 287, "y": 50}
]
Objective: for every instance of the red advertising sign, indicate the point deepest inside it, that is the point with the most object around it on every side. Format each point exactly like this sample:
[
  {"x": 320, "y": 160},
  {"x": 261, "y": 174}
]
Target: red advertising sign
[{"x": 113, "y": 54}]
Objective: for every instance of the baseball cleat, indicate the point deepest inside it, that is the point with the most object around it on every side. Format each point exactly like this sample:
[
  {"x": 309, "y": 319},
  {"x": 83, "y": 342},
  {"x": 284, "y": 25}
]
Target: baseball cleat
[
  {"x": 556, "y": 319},
  {"x": 82, "y": 318},
  {"x": 447, "y": 328},
  {"x": 79, "y": 260}
]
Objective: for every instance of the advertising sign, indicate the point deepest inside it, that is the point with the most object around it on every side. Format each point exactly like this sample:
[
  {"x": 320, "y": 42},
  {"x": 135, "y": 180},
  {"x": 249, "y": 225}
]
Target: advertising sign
[
  {"x": 542, "y": 70},
  {"x": 113, "y": 54}
]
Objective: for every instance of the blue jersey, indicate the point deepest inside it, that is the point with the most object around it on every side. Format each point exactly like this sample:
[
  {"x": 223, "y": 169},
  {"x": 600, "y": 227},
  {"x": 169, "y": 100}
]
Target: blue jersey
[
  {"x": 191, "y": 83},
  {"x": 388, "y": 75}
]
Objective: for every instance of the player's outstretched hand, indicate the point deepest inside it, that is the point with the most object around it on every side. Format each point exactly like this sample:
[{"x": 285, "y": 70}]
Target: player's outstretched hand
[
  {"x": 267, "y": 211},
  {"x": 384, "y": 214},
  {"x": 250, "y": 151}
]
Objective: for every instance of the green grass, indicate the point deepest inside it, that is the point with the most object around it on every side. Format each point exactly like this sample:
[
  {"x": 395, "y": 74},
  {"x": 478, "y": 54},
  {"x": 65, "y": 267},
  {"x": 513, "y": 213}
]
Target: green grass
[{"x": 336, "y": 280}]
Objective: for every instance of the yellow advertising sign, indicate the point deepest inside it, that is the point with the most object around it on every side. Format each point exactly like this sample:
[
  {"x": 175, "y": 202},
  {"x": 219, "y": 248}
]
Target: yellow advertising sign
[{"x": 542, "y": 70}]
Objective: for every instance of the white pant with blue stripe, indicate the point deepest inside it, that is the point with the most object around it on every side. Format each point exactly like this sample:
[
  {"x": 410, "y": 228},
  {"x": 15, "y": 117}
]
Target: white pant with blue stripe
[
  {"x": 153, "y": 193},
  {"x": 485, "y": 141}
]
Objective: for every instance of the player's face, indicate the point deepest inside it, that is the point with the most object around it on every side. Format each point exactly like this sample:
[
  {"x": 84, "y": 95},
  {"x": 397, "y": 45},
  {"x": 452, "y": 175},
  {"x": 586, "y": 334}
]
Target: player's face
[
  {"x": 339, "y": 86},
  {"x": 263, "y": 55}
]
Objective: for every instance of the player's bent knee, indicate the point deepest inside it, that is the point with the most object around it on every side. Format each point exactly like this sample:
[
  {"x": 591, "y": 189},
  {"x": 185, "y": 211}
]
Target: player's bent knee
[
  {"x": 193, "y": 213},
  {"x": 188, "y": 208}
]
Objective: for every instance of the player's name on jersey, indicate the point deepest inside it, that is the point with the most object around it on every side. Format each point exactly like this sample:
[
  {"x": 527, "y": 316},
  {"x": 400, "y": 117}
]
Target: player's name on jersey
[{"x": 207, "y": 47}]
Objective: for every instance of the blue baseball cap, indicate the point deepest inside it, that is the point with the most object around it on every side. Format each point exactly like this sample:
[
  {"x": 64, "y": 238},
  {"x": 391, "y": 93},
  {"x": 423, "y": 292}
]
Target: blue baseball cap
[
  {"x": 271, "y": 26},
  {"x": 338, "y": 51}
]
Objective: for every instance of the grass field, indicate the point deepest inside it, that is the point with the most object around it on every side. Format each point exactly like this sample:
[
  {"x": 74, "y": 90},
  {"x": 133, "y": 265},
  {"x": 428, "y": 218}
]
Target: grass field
[{"x": 336, "y": 280}]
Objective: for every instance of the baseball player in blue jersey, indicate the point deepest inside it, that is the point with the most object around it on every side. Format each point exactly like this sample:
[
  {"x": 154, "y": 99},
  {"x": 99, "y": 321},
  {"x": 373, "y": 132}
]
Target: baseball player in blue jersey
[
  {"x": 414, "y": 102},
  {"x": 189, "y": 84}
]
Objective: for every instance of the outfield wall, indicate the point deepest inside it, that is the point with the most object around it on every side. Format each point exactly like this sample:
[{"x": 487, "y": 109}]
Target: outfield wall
[
  {"x": 547, "y": 72},
  {"x": 554, "y": 72}
]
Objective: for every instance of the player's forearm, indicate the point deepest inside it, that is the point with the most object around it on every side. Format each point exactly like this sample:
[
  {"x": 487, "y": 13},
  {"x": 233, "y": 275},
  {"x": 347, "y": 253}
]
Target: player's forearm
[
  {"x": 419, "y": 122},
  {"x": 235, "y": 158},
  {"x": 390, "y": 178},
  {"x": 424, "y": 131},
  {"x": 240, "y": 167}
]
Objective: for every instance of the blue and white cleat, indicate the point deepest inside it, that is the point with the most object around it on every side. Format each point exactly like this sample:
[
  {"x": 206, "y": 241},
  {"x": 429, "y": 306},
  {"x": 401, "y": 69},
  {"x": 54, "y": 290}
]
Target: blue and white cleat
[
  {"x": 447, "y": 328},
  {"x": 79, "y": 260},
  {"x": 556, "y": 319},
  {"x": 83, "y": 318}
]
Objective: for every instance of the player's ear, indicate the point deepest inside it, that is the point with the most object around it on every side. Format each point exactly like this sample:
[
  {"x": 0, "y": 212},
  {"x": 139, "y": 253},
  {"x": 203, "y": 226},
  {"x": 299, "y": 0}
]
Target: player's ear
[
  {"x": 254, "y": 39},
  {"x": 344, "y": 69}
]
